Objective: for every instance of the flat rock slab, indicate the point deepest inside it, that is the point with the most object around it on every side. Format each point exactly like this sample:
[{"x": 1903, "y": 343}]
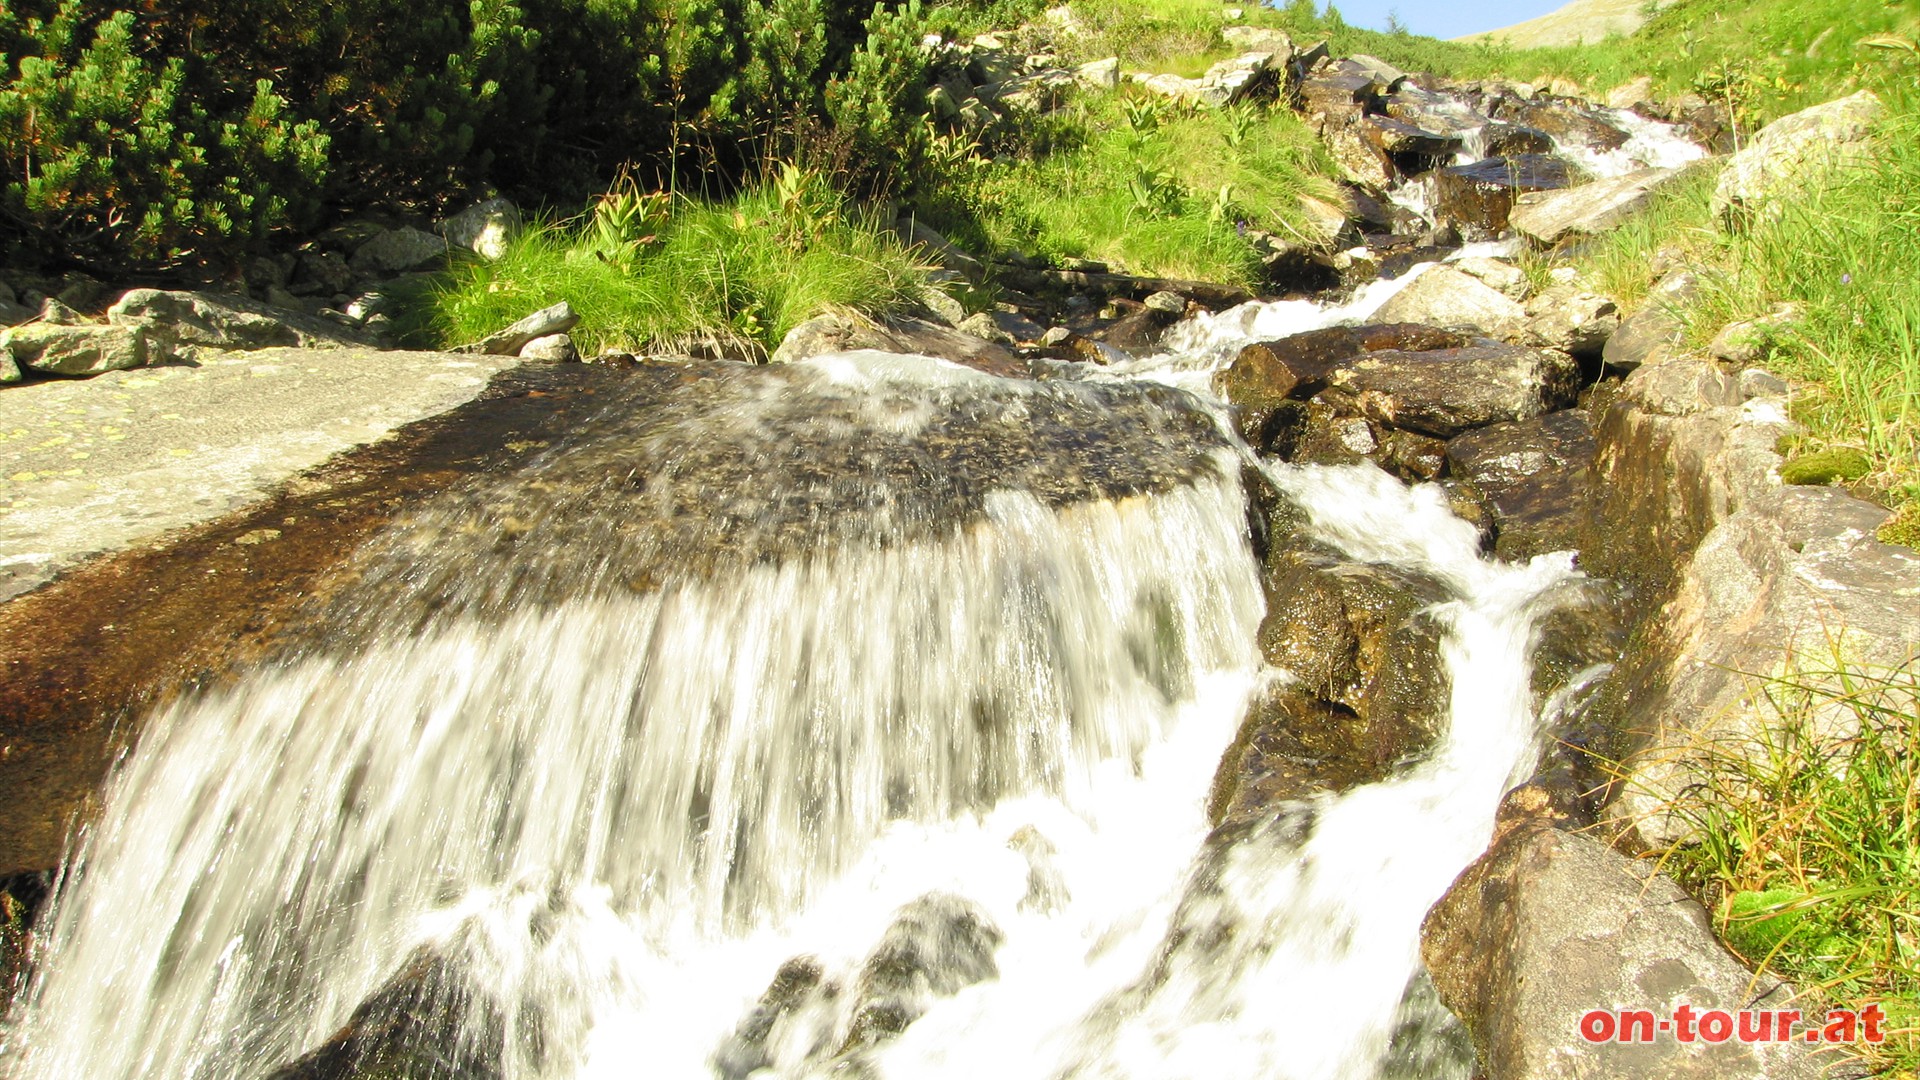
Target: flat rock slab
[
  {"x": 1587, "y": 210},
  {"x": 102, "y": 465}
]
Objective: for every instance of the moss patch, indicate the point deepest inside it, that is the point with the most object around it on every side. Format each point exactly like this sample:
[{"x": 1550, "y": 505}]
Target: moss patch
[{"x": 1826, "y": 466}]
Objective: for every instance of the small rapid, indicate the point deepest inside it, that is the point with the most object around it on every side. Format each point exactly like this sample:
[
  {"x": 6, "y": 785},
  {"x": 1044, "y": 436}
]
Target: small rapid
[{"x": 858, "y": 718}]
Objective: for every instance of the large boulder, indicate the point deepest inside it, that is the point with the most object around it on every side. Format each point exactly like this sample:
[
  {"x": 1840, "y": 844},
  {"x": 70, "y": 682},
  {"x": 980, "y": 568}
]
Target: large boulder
[
  {"x": 1549, "y": 925},
  {"x": 1444, "y": 392},
  {"x": 9, "y": 368},
  {"x": 1790, "y": 152},
  {"x": 79, "y": 351},
  {"x": 1479, "y": 197},
  {"x": 1444, "y": 296},
  {"x": 1267, "y": 373},
  {"x": 1571, "y": 123},
  {"x": 395, "y": 251},
  {"x": 1536, "y": 477},
  {"x": 1547, "y": 217},
  {"x": 225, "y": 321}
]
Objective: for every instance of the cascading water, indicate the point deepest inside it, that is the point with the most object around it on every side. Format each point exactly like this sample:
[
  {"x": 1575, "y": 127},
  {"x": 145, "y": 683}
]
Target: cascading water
[{"x": 855, "y": 718}]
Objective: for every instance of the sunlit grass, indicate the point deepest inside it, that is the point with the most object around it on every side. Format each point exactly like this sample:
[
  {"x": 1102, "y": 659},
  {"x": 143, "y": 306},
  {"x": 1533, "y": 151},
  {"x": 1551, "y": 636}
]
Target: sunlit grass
[
  {"x": 737, "y": 274},
  {"x": 1807, "y": 844}
]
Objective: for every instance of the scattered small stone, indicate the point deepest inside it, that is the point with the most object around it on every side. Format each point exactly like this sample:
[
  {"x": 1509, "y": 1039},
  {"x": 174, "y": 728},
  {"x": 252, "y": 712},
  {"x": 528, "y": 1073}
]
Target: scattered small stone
[
  {"x": 551, "y": 349},
  {"x": 557, "y": 319},
  {"x": 983, "y": 326},
  {"x": 1167, "y": 303}
]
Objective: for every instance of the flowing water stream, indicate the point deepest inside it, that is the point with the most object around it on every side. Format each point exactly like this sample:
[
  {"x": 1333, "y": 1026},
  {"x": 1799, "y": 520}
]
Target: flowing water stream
[{"x": 888, "y": 760}]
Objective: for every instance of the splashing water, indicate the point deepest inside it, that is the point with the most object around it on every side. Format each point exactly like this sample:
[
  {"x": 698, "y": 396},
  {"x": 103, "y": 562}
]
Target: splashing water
[{"x": 680, "y": 826}]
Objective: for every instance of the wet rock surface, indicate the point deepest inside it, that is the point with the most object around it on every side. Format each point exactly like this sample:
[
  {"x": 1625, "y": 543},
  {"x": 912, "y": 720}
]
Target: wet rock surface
[
  {"x": 1549, "y": 924},
  {"x": 567, "y": 480},
  {"x": 1266, "y": 374},
  {"x": 425, "y": 1021},
  {"x": 1443, "y": 392},
  {"x": 1480, "y": 197},
  {"x": 1536, "y": 477}
]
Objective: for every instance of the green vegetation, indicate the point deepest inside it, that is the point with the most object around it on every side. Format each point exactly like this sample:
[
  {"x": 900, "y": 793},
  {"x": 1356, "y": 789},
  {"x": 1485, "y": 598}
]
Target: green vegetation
[
  {"x": 175, "y": 134},
  {"x": 1826, "y": 466},
  {"x": 1847, "y": 252},
  {"x": 1143, "y": 185},
  {"x": 1809, "y": 844},
  {"x": 651, "y": 271}
]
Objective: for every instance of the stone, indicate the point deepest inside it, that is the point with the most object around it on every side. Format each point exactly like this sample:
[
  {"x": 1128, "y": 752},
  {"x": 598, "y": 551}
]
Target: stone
[
  {"x": 1444, "y": 296},
  {"x": 13, "y": 314},
  {"x": 1759, "y": 382},
  {"x": 1265, "y": 374},
  {"x": 1418, "y": 144},
  {"x": 398, "y": 250},
  {"x": 483, "y": 228},
  {"x": 984, "y": 326},
  {"x": 1570, "y": 123},
  {"x": 1443, "y": 392},
  {"x": 1565, "y": 318},
  {"x": 1258, "y": 39},
  {"x": 1536, "y": 477},
  {"x": 935, "y": 246},
  {"x": 1481, "y": 196},
  {"x": 550, "y": 349},
  {"x": 1042, "y": 91},
  {"x": 427, "y": 1019},
  {"x": 1510, "y": 140},
  {"x": 1499, "y": 274},
  {"x": 1099, "y": 74},
  {"x": 557, "y": 319},
  {"x": 937, "y": 946},
  {"x": 1385, "y": 75},
  {"x": 57, "y": 312},
  {"x": 1749, "y": 341},
  {"x": 9, "y": 368},
  {"x": 1547, "y": 217},
  {"x": 825, "y": 334},
  {"x": 941, "y": 104},
  {"x": 1644, "y": 336},
  {"x": 1241, "y": 78},
  {"x": 77, "y": 351},
  {"x": 228, "y": 321},
  {"x": 1550, "y": 924},
  {"x": 943, "y": 305},
  {"x": 1794, "y": 150},
  {"x": 1631, "y": 94},
  {"x": 323, "y": 272},
  {"x": 992, "y": 65},
  {"x": 1360, "y": 162}
]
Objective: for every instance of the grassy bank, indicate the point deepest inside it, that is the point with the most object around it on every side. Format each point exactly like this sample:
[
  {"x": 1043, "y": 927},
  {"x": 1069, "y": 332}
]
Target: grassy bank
[
  {"x": 649, "y": 272},
  {"x": 1846, "y": 252},
  {"x": 1809, "y": 851},
  {"x": 1146, "y": 186}
]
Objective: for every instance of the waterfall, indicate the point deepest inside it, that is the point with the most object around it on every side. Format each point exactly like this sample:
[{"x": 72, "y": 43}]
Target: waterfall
[{"x": 856, "y": 717}]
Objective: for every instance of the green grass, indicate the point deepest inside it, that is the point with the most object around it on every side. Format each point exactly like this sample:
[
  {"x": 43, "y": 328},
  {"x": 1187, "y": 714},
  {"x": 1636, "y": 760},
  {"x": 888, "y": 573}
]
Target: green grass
[
  {"x": 1145, "y": 186},
  {"x": 1809, "y": 844},
  {"x": 650, "y": 274}
]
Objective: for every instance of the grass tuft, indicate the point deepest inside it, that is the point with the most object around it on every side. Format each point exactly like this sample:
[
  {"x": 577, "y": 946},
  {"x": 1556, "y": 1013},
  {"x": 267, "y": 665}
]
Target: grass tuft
[
  {"x": 1808, "y": 845},
  {"x": 663, "y": 276}
]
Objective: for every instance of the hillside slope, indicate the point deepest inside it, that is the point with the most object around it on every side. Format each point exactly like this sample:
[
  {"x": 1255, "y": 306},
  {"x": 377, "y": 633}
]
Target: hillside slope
[{"x": 1581, "y": 22}]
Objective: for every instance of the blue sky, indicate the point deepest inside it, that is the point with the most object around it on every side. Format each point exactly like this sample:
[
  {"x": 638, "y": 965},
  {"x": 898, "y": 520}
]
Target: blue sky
[{"x": 1442, "y": 18}]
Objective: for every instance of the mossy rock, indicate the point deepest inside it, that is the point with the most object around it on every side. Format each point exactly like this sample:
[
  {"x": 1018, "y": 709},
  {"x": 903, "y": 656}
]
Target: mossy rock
[
  {"x": 1826, "y": 466},
  {"x": 1903, "y": 527}
]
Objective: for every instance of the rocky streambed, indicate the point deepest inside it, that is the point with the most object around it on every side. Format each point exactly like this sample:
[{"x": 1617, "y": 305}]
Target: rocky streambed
[{"x": 1529, "y": 411}]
